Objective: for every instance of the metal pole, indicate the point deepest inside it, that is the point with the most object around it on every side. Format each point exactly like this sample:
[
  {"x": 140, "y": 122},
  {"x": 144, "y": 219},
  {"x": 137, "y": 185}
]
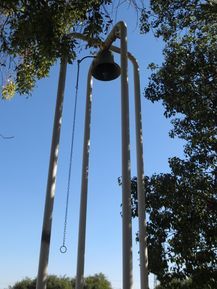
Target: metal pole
[
  {"x": 126, "y": 169},
  {"x": 119, "y": 28},
  {"x": 51, "y": 181},
  {"x": 84, "y": 187},
  {"x": 140, "y": 174},
  {"x": 143, "y": 250}
]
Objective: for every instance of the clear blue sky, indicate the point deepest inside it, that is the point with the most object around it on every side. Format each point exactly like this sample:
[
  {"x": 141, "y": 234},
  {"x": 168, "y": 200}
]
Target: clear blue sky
[{"x": 24, "y": 166}]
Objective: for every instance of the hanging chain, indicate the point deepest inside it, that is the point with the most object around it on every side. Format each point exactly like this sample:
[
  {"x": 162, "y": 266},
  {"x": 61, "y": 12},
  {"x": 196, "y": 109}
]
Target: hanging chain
[{"x": 63, "y": 248}]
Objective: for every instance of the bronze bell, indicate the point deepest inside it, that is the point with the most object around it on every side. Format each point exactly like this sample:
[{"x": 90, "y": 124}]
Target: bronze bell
[{"x": 104, "y": 67}]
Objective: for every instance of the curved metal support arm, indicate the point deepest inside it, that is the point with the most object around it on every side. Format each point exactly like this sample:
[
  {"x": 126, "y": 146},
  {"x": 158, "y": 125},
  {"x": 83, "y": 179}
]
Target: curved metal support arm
[
  {"x": 113, "y": 35},
  {"x": 143, "y": 248},
  {"x": 140, "y": 179}
]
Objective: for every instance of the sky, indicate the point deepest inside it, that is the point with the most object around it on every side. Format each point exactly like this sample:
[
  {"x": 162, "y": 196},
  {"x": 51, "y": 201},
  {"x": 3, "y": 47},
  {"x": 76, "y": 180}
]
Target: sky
[{"x": 24, "y": 163}]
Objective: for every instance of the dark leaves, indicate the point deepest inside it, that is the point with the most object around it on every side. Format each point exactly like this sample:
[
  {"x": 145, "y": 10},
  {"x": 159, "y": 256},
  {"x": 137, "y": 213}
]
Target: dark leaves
[
  {"x": 34, "y": 33},
  {"x": 181, "y": 206}
]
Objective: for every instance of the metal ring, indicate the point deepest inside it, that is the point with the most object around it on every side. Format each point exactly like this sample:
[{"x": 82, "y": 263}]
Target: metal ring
[{"x": 63, "y": 249}]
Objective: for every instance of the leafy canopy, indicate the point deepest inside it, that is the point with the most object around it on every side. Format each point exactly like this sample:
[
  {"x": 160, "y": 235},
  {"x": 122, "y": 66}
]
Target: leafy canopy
[
  {"x": 177, "y": 284},
  {"x": 182, "y": 205},
  {"x": 33, "y": 34},
  {"x": 97, "y": 281}
]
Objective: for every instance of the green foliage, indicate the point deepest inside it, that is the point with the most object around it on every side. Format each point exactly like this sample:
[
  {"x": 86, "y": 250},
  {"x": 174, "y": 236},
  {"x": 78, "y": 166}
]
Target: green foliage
[
  {"x": 182, "y": 235},
  {"x": 97, "y": 281},
  {"x": 8, "y": 90},
  {"x": 25, "y": 284},
  {"x": 177, "y": 284},
  {"x": 55, "y": 282},
  {"x": 182, "y": 205},
  {"x": 33, "y": 35}
]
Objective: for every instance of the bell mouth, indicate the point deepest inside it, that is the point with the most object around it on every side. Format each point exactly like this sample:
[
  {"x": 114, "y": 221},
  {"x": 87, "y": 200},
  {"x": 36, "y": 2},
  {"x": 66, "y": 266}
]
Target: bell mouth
[{"x": 106, "y": 71}]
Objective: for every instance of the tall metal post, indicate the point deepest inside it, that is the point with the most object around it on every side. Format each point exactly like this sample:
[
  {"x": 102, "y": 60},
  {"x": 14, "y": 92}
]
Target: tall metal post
[
  {"x": 51, "y": 181},
  {"x": 143, "y": 250},
  {"x": 84, "y": 187},
  {"x": 126, "y": 167}
]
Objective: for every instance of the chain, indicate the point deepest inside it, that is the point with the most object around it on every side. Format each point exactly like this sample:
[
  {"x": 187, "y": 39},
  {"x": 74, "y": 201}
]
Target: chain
[{"x": 63, "y": 248}]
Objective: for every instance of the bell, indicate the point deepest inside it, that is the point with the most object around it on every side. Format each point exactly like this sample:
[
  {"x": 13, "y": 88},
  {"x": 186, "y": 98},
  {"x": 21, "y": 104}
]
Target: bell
[{"x": 104, "y": 67}]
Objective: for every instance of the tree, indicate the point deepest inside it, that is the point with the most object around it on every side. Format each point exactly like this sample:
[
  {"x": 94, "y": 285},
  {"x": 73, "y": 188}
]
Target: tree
[
  {"x": 182, "y": 205},
  {"x": 33, "y": 35},
  {"x": 53, "y": 282},
  {"x": 177, "y": 284},
  {"x": 97, "y": 281}
]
